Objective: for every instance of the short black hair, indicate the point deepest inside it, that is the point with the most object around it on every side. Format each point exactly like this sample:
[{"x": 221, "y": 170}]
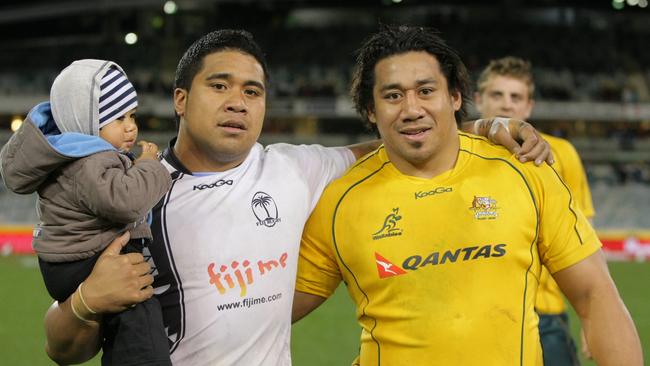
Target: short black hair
[
  {"x": 395, "y": 40},
  {"x": 219, "y": 40}
]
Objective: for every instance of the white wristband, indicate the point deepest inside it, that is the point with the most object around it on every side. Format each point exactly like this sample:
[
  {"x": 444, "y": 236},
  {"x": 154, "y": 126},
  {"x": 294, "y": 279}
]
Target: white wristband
[
  {"x": 499, "y": 121},
  {"x": 77, "y": 314},
  {"x": 83, "y": 301},
  {"x": 477, "y": 125}
]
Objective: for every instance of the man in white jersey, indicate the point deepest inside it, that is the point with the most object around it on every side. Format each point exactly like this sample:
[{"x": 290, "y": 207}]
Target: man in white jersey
[{"x": 227, "y": 233}]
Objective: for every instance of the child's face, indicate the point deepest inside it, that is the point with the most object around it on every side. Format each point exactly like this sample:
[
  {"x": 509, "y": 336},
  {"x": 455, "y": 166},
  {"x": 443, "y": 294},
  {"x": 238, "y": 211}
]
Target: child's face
[{"x": 122, "y": 132}]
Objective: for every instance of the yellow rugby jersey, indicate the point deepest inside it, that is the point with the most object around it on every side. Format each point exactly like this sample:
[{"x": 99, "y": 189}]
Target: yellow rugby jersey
[
  {"x": 444, "y": 271},
  {"x": 568, "y": 165}
]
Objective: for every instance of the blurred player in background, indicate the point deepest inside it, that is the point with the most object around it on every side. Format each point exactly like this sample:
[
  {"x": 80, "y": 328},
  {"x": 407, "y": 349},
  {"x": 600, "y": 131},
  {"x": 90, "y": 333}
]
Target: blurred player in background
[{"x": 506, "y": 89}]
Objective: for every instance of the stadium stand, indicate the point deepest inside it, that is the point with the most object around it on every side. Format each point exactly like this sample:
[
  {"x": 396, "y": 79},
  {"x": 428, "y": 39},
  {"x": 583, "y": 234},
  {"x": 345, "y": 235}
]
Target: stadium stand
[{"x": 592, "y": 70}]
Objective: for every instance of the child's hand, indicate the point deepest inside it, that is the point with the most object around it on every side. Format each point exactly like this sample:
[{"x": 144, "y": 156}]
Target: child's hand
[{"x": 149, "y": 150}]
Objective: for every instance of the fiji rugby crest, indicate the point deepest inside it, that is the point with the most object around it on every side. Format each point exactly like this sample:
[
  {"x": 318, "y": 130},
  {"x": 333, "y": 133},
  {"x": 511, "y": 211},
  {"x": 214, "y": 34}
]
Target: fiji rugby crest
[{"x": 265, "y": 209}]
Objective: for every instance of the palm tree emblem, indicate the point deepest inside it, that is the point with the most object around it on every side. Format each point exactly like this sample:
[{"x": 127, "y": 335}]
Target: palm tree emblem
[{"x": 264, "y": 209}]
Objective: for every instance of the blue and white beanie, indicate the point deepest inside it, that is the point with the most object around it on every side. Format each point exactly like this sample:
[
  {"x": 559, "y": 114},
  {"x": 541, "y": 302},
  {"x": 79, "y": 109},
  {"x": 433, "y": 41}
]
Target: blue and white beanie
[
  {"x": 116, "y": 96},
  {"x": 88, "y": 94}
]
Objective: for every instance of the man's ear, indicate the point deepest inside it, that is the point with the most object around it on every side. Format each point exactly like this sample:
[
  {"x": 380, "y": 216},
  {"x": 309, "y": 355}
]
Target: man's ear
[
  {"x": 457, "y": 100},
  {"x": 180, "y": 101},
  {"x": 371, "y": 115}
]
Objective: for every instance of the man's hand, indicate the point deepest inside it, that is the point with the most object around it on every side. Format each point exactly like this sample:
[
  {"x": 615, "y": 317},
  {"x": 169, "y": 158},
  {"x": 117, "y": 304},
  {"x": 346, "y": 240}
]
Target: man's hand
[
  {"x": 507, "y": 132},
  {"x": 118, "y": 280}
]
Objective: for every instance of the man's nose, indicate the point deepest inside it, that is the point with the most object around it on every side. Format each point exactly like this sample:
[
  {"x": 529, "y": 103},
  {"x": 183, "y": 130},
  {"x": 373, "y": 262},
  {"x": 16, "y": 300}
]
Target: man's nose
[
  {"x": 508, "y": 103},
  {"x": 235, "y": 102},
  {"x": 411, "y": 107}
]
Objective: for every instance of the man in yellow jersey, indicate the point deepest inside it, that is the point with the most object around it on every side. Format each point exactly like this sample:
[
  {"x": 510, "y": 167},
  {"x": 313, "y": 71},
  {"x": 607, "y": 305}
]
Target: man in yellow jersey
[
  {"x": 505, "y": 89},
  {"x": 440, "y": 236}
]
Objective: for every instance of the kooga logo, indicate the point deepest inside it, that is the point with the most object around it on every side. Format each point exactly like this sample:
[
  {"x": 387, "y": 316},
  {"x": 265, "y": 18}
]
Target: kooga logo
[
  {"x": 216, "y": 184},
  {"x": 437, "y": 190}
]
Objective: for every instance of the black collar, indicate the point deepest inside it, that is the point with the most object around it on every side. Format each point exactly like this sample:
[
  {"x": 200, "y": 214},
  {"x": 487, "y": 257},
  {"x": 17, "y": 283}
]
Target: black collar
[{"x": 171, "y": 158}]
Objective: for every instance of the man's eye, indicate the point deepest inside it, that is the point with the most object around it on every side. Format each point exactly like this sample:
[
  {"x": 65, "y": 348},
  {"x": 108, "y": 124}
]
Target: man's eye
[
  {"x": 252, "y": 92},
  {"x": 392, "y": 96},
  {"x": 218, "y": 86},
  {"x": 426, "y": 91}
]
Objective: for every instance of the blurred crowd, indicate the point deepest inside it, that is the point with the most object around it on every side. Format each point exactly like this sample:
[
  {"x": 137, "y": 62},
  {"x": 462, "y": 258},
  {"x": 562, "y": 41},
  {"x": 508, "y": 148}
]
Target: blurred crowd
[{"x": 572, "y": 63}]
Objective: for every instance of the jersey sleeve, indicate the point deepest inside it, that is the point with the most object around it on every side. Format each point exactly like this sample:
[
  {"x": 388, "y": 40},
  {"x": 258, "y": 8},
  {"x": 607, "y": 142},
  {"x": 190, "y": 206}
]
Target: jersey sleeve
[
  {"x": 318, "y": 271},
  {"x": 318, "y": 165},
  {"x": 575, "y": 177},
  {"x": 565, "y": 235}
]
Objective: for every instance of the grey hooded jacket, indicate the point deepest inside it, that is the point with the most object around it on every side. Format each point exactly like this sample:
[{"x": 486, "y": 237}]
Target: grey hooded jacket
[
  {"x": 89, "y": 193},
  {"x": 84, "y": 203}
]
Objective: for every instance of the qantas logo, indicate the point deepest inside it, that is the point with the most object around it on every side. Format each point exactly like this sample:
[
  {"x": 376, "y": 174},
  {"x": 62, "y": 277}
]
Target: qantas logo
[
  {"x": 386, "y": 268},
  {"x": 452, "y": 256}
]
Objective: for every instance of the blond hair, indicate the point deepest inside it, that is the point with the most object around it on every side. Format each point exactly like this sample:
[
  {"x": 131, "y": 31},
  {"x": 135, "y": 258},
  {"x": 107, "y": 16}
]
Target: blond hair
[{"x": 510, "y": 66}]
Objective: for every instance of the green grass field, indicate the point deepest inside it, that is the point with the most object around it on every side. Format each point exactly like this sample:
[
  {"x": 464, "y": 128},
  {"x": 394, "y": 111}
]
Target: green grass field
[{"x": 329, "y": 336}]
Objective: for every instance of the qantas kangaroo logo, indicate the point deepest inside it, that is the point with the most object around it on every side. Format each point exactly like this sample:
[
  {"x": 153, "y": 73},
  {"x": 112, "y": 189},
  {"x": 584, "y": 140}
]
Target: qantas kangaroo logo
[{"x": 386, "y": 268}]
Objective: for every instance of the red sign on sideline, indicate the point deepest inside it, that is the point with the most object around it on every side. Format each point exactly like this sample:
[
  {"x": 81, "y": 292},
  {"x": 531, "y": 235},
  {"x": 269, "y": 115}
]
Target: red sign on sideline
[
  {"x": 625, "y": 245},
  {"x": 16, "y": 239}
]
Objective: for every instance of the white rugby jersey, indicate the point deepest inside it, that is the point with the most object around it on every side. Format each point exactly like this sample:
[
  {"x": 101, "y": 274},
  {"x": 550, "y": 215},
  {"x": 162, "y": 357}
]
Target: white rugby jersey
[{"x": 225, "y": 252}]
